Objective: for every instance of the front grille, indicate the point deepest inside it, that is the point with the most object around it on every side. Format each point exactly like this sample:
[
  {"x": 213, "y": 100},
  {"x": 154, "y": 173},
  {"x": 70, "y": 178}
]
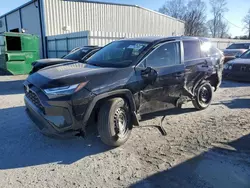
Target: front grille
[
  {"x": 241, "y": 68},
  {"x": 34, "y": 99}
]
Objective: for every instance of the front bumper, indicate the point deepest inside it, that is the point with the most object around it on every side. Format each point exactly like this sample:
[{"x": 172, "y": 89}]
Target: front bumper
[{"x": 45, "y": 126}]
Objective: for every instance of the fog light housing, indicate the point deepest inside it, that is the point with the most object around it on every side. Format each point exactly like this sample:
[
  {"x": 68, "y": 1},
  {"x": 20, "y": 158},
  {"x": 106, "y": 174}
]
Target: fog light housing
[{"x": 57, "y": 121}]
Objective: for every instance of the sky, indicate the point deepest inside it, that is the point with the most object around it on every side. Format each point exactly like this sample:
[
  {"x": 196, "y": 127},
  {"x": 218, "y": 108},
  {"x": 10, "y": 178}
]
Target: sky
[{"x": 237, "y": 10}]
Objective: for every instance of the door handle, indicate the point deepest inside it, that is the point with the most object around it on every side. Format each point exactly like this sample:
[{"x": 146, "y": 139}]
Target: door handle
[{"x": 204, "y": 66}]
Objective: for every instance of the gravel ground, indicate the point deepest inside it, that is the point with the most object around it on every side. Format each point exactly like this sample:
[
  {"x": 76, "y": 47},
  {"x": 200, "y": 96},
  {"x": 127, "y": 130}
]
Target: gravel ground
[{"x": 207, "y": 148}]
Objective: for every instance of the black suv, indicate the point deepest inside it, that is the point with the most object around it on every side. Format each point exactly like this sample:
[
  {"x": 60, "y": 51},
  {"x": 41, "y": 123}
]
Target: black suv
[
  {"x": 120, "y": 82},
  {"x": 77, "y": 54}
]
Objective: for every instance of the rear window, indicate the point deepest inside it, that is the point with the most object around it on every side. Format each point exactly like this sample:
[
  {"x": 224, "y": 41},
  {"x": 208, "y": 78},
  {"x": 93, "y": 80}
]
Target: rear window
[
  {"x": 238, "y": 46},
  {"x": 192, "y": 50}
]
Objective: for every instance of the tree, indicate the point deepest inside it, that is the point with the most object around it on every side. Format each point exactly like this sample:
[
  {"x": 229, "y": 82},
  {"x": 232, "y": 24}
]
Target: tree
[
  {"x": 174, "y": 8},
  {"x": 193, "y": 13},
  {"x": 195, "y": 18},
  {"x": 216, "y": 26},
  {"x": 246, "y": 22}
]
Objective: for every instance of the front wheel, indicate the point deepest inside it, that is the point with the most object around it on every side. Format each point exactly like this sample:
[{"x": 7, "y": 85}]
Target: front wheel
[
  {"x": 204, "y": 96},
  {"x": 114, "y": 122}
]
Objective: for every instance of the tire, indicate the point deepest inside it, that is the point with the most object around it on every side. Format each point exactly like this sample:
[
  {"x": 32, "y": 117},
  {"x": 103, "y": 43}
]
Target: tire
[
  {"x": 111, "y": 113},
  {"x": 201, "y": 100}
]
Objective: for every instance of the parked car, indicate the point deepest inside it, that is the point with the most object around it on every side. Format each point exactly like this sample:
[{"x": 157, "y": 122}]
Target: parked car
[
  {"x": 121, "y": 81},
  {"x": 77, "y": 54},
  {"x": 235, "y": 50},
  {"x": 239, "y": 68}
]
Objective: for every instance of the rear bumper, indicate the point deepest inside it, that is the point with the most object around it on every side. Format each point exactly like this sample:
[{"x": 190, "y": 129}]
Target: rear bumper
[{"x": 46, "y": 124}]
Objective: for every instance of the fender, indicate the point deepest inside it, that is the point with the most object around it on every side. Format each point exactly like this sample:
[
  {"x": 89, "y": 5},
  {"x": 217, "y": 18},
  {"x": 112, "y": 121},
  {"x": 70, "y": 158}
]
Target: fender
[{"x": 121, "y": 92}]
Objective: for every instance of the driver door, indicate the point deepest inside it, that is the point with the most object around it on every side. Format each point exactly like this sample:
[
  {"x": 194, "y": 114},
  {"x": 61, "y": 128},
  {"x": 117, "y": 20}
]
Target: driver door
[{"x": 162, "y": 72}]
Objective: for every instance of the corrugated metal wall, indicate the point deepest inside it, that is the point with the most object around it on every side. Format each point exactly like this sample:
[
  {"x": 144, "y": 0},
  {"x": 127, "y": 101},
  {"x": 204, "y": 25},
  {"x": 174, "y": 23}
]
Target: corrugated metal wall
[
  {"x": 224, "y": 43},
  {"x": 60, "y": 45},
  {"x": 81, "y": 16},
  {"x": 3, "y": 25}
]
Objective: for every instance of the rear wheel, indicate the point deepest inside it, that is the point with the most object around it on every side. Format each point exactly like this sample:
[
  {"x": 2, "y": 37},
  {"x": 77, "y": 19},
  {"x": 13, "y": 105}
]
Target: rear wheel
[
  {"x": 204, "y": 96},
  {"x": 114, "y": 122}
]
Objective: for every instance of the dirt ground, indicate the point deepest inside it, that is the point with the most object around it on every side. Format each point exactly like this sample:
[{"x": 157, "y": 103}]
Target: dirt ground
[{"x": 209, "y": 148}]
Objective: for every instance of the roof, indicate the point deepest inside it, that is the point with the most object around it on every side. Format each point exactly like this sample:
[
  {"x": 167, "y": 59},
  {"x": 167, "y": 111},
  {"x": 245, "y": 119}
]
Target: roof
[
  {"x": 158, "y": 38},
  {"x": 97, "y": 2},
  {"x": 16, "y": 9},
  {"x": 145, "y": 39}
]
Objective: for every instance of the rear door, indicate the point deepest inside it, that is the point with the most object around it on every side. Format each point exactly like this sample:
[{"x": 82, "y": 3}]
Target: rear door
[
  {"x": 166, "y": 85},
  {"x": 196, "y": 65}
]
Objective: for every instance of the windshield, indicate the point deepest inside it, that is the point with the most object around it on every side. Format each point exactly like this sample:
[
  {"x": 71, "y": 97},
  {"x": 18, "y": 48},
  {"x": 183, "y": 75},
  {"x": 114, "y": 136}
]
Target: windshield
[
  {"x": 118, "y": 54},
  {"x": 246, "y": 55},
  {"x": 77, "y": 54},
  {"x": 238, "y": 46}
]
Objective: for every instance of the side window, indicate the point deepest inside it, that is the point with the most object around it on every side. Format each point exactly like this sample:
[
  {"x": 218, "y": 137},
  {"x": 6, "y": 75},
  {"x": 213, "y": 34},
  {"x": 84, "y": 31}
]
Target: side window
[
  {"x": 192, "y": 50},
  {"x": 208, "y": 49},
  {"x": 166, "y": 55}
]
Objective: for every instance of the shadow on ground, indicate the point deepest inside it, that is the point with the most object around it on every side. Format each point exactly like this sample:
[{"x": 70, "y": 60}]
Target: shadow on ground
[
  {"x": 22, "y": 145},
  {"x": 235, "y": 103},
  {"x": 226, "y": 166},
  {"x": 174, "y": 111},
  {"x": 11, "y": 87}
]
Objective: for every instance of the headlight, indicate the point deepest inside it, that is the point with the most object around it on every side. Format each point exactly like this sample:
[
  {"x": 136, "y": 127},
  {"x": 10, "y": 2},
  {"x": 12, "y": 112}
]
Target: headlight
[
  {"x": 65, "y": 90},
  {"x": 226, "y": 66}
]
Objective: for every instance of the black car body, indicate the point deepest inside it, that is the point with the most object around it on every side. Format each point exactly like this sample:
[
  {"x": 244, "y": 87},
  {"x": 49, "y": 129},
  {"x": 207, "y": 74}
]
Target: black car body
[
  {"x": 140, "y": 75},
  {"x": 77, "y": 54},
  {"x": 235, "y": 50},
  {"x": 239, "y": 68}
]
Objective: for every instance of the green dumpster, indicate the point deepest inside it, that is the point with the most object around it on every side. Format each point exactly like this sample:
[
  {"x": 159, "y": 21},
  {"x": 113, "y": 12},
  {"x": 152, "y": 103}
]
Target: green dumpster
[{"x": 17, "y": 52}]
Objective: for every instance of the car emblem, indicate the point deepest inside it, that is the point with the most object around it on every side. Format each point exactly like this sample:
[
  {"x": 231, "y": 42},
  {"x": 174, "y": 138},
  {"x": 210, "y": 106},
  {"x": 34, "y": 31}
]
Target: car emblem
[
  {"x": 243, "y": 68},
  {"x": 27, "y": 89}
]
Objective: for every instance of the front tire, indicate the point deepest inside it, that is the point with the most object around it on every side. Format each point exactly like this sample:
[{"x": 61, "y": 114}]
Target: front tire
[
  {"x": 114, "y": 122},
  {"x": 204, "y": 96}
]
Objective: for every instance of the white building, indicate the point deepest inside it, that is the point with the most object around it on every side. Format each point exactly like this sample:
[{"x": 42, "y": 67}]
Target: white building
[{"x": 55, "y": 17}]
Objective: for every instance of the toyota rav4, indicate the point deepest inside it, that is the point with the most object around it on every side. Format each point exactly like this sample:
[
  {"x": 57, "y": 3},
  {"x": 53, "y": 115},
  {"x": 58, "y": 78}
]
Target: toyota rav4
[{"x": 120, "y": 82}]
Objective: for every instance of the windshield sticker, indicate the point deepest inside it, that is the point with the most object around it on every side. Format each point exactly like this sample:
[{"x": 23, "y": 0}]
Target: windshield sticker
[{"x": 131, "y": 46}]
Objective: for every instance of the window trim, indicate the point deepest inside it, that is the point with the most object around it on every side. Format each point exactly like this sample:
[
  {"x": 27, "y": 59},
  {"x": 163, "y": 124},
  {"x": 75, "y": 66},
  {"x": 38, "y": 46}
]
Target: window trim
[{"x": 158, "y": 46}]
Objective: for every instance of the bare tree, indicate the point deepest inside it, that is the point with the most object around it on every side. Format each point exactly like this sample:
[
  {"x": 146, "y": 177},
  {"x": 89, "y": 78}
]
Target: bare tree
[
  {"x": 216, "y": 26},
  {"x": 195, "y": 18},
  {"x": 246, "y": 22},
  {"x": 174, "y": 8},
  {"x": 193, "y": 13}
]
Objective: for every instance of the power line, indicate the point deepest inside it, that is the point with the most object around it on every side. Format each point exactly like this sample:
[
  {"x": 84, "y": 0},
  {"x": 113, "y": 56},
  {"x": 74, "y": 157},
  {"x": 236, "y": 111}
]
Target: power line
[{"x": 232, "y": 23}]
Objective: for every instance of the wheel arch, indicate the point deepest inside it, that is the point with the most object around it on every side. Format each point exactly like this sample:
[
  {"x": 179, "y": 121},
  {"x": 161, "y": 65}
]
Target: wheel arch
[{"x": 100, "y": 99}]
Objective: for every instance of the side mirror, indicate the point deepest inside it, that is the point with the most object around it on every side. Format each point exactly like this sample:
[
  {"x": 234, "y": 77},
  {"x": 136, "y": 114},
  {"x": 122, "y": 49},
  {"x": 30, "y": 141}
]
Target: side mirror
[{"x": 148, "y": 70}]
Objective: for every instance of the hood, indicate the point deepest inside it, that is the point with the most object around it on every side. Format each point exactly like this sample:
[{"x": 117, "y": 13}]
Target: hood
[
  {"x": 233, "y": 52},
  {"x": 74, "y": 73},
  {"x": 240, "y": 61},
  {"x": 52, "y": 61}
]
